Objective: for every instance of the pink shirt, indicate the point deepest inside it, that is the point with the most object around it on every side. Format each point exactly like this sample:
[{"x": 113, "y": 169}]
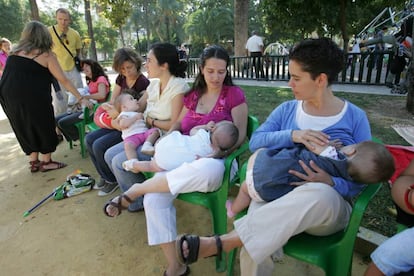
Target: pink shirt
[
  {"x": 3, "y": 59},
  {"x": 93, "y": 86},
  {"x": 230, "y": 97}
]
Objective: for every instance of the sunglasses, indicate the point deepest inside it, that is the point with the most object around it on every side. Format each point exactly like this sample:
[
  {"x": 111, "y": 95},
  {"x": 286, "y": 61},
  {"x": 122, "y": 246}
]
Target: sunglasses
[{"x": 64, "y": 37}]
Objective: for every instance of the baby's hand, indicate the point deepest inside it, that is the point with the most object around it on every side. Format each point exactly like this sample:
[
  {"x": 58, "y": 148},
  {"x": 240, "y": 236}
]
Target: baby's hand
[
  {"x": 336, "y": 144},
  {"x": 317, "y": 149}
]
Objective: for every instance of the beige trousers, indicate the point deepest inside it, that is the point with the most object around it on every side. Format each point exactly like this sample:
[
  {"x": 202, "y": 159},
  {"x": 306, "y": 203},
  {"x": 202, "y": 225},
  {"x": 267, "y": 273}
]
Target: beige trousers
[{"x": 315, "y": 208}]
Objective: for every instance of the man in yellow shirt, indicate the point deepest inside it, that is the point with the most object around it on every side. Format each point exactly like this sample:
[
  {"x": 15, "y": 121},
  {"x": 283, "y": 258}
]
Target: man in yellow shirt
[{"x": 63, "y": 35}]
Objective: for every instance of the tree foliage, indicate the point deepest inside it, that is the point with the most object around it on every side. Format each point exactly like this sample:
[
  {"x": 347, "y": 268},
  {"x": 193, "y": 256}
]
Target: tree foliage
[
  {"x": 12, "y": 19},
  {"x": 116, "y": 11},
  {"x": 293, "y": 20},
  {"x": 210, "y": 26}
]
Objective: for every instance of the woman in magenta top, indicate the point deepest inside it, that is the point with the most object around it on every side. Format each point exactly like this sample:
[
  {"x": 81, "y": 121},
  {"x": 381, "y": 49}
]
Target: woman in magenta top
[
  {"x": 5, "y": 46},
  {"x": 228, "y": 98}
]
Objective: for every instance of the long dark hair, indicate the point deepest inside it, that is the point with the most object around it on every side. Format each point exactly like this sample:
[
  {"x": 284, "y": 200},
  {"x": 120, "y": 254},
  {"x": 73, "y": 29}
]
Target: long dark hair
[
  {"x": 213, "y": 51},
  {"x": 168, "y": 53},
  {"x": 96, "y": 69}
]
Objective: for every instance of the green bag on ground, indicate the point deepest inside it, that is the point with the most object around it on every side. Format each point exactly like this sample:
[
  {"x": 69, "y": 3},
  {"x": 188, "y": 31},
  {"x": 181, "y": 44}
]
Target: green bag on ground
[{"x": 74, "y": 185}]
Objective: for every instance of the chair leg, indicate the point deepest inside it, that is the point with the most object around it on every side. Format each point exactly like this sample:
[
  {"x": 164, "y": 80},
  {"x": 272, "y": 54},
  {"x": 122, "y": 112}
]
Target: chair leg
[
  {"x": 231, "y": 259},
  {"x": 219, "y": 216},
  {"x": 81, "y": 132}
]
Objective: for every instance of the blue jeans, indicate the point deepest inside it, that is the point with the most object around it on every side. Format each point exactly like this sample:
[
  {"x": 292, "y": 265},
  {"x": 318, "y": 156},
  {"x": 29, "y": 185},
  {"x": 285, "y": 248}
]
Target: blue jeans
[
  {"x": 97, "y": 143},
  {"x": 396, "y": 254},
  {"x": 114, "y": 158}
]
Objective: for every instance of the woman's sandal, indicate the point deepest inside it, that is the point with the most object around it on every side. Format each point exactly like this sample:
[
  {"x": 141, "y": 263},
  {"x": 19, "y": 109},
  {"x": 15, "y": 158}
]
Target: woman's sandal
[
  {"x": 193, "y": 243},
  {"x": 34, "y": 166},
  {"x": 117, "y": 204},
  {"x": 57, "y": 165}
]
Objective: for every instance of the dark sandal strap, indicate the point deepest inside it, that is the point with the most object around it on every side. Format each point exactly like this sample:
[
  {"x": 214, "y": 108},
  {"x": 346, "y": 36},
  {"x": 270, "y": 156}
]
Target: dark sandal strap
[
  {"x": 219, "y": 245},
  {"x": 193, "y": 242},
  {"x": 118, "y": 204},
  {"x": 59, "y": 165}
]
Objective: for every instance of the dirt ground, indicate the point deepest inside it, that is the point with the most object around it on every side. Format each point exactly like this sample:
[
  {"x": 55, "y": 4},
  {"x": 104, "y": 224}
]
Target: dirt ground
[{"x": 73, "y": 236}]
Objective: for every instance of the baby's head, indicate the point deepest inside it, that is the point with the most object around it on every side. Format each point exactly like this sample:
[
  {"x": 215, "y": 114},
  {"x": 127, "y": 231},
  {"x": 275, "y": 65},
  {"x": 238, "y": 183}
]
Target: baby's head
[
  {"x": 224, "y": 136},
  {"x": 371, "y": 163},
  {"x": 126, "y": 102}
]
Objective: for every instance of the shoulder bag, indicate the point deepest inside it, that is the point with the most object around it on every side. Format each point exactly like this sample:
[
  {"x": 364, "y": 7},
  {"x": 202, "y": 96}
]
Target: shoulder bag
[{"x": 75, "y": 58}]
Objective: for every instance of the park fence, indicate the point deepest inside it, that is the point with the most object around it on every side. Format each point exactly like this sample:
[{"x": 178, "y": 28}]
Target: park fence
[{"x": 361, "y": 68}]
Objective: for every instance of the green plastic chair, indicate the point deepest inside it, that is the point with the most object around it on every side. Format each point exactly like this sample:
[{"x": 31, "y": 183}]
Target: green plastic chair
[
  {"x": 81, "y": 126},
  {"x": 216, "y": 201},
  {"x": 332, "y": 253},
  {"x": 87, "y": 124}
]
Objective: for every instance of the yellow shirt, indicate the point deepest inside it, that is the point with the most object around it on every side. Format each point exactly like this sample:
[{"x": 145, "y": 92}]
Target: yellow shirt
[{"x": 72, "y": 41}]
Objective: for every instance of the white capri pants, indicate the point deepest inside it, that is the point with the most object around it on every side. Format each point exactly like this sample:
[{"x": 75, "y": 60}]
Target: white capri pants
[{"x": 202, "y": 175}]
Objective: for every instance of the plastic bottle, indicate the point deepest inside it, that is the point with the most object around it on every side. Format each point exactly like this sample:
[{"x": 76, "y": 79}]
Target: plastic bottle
[
  {"x": 401, "y": 50},
  {"x": 75, "y": 191}
]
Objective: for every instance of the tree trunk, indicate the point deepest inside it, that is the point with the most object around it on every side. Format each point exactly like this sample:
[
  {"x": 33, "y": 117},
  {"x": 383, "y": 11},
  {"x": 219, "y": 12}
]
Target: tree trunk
[
  {"x": 241, "y": 20},
  {"x": 121, "y": 33},
  {"x": 34, "y": 10},
  {"x": 147, "y": 28},
  {"x": 88, "y": 19},
  {"x": 342, "y": 14}
]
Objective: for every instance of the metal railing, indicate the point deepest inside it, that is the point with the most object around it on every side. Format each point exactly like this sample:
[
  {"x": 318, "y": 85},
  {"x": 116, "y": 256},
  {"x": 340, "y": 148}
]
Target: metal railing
[{"x": 361, "y": 68}]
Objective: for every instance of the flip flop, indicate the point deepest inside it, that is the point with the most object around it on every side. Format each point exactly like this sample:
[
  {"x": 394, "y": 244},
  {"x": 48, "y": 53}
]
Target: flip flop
[
  {"x": 117, "y": 204},
  {"x": 193, "y": 242}
]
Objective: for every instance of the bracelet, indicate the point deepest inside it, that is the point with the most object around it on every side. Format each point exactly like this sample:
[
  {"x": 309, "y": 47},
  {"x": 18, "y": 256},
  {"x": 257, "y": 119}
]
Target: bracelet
[{"x": 152, "y": 122}]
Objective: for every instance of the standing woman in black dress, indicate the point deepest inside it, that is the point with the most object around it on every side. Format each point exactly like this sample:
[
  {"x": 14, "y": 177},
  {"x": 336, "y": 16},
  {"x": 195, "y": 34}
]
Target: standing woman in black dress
[{"x": 25, "y": 95}]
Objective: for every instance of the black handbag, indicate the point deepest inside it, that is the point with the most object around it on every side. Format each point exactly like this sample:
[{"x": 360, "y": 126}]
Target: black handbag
[{"x": 76, "y": 59}]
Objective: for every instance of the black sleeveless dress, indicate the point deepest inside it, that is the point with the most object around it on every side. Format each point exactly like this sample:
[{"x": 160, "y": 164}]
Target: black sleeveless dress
[{"x": 25, "y": 95}]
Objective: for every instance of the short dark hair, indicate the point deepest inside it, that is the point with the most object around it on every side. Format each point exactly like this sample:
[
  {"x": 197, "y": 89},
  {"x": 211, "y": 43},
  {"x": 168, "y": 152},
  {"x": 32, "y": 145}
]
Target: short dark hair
[
  {"x": 382, "y": 168},
  {"x": 317, "y": 56}
]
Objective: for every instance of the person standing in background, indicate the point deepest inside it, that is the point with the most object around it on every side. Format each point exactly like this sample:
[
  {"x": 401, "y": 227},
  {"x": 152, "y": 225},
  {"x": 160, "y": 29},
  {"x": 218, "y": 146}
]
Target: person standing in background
[
  {"x": 255, "y": 49},
  {"x": 5, "y": 46},
  {"x": 66, "y": 39},
  {"x": 25, "y": 90}
]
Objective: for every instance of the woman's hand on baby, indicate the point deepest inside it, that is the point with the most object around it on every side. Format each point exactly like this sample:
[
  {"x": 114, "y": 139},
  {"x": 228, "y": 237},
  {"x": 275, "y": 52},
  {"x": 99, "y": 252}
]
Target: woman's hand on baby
[
  {"x": 309, "y": 138},
  {"x": 112, "y": 112},
  {"x": 106, "y": 106},
  {"x": 313, "y": 174},
  {"x": 210, "y": 125}
]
